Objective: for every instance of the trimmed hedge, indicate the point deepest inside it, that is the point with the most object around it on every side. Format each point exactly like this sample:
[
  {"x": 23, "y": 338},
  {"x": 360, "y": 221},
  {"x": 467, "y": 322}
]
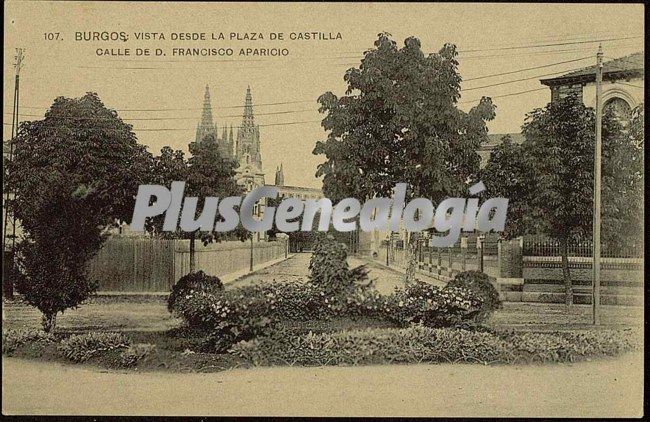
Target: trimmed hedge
[{"x": 419, "y": 344}]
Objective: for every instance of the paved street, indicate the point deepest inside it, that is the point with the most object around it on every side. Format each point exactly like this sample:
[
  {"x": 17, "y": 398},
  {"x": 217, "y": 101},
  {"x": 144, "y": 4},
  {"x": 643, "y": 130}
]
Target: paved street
[
  {"x": 297, "y": 268},
  {"x": 611, "y": 388}
]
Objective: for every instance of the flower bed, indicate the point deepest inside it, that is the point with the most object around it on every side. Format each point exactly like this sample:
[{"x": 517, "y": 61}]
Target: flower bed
[{"x": 420, "y": 344}]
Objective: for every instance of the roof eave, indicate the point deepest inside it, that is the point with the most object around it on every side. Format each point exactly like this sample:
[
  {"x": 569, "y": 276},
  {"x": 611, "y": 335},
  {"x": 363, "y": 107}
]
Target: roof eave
[{"x": 591, "y": 77}]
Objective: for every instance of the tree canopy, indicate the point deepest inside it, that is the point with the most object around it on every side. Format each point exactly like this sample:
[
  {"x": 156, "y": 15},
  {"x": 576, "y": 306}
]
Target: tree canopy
[
  {"x": 549, "y": 178},
  {"x": 399, "y": 122},
  {"x": 74, "y": 174}
]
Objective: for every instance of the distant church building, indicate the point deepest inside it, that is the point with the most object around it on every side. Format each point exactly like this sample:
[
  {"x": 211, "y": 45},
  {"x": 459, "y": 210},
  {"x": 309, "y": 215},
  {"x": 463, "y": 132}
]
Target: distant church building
[{"x": 245, "y": 148}]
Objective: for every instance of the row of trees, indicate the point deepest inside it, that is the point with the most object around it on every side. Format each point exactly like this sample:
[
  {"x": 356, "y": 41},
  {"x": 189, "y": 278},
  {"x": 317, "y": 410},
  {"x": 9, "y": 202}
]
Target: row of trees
[
  {"x": 75, "y": 175},
  {"x": 399, "y": 122},
  {"x": 549, "y": 178}
]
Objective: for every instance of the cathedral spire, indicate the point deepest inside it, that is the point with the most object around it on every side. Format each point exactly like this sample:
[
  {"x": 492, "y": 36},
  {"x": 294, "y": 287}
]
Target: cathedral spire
[
  {"x": 206, "y": 117},
  {"x": 279, "y": 176},
  {"x": 248, "y": 120},
  {"x": 206, "y": 126}
]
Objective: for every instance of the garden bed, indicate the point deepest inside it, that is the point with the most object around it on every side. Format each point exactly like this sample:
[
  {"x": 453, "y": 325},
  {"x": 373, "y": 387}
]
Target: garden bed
[
  {"x": 336, "y": 318},
  {"x": 179, "y": 350}
]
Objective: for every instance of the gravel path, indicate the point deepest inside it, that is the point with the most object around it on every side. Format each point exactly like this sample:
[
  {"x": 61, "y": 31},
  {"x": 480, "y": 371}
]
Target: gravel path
[
  {"x": 297, "y": 268},
  {"x": 610, "y": 388}
]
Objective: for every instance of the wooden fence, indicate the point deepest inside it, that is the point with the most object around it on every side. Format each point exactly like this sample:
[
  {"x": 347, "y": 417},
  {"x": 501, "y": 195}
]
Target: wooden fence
[{"x": 154, "y": 265}]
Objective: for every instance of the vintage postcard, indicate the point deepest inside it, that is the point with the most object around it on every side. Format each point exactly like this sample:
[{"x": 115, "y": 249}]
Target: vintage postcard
[{"x": 323, "y": 209}]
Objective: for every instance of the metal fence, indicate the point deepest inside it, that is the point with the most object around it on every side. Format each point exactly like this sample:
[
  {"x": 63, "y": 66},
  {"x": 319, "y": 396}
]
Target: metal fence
[{"x": 550, "y": 247}]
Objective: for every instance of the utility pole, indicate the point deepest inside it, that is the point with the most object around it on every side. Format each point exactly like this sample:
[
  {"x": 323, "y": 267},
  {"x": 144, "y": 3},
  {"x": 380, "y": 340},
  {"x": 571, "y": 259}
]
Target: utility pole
[
  {"x": 597, "y": 182},
  {"x": 251, "y": 260},
  {"x": 18, "y": 63}
]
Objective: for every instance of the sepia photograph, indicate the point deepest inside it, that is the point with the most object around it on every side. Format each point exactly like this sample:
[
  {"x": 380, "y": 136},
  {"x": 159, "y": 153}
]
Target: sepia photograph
[{"x": 349, "y": 209}]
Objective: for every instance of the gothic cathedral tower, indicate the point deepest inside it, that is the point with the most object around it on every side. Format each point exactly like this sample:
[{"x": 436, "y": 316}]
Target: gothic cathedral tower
[
  {"x": 245, "y": 148},
  {"x": 248, "y": 135},
  {"x": 206, "y": 126}
]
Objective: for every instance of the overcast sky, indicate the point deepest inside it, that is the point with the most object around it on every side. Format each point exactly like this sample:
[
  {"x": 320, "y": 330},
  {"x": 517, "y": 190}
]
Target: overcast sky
[{"x": 173, "y": 86}]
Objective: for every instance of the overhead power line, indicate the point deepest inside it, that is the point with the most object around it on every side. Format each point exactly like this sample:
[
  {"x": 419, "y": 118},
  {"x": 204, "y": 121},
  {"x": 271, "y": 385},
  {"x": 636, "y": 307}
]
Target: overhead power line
[
  {"x": 541, "y": 53},
  {"x": 504, "y": 95},
  {"x": 519, "y": 80},
  {"x": 526, "y": 69},
  {"x": 314, "y": 101},
  {"x": 194, "y": 128},
  {"x": 519, "y": 47},
  {"x": 168, "y": 118},
  {"x": 195, "y": 108}
]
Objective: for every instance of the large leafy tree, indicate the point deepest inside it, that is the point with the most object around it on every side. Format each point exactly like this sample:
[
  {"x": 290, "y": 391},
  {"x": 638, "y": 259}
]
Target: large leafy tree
[
  {"x": 399, "y": 122},
  {"x": 623, "y": 171},
  {"x": 549, "y": 178},
  {"x": 206, "y": 174},
  {"x": 75, "y": 174}
]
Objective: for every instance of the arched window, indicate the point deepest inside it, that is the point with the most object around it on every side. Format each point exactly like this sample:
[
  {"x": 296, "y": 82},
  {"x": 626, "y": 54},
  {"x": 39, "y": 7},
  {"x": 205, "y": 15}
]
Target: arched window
[{"x": 619, "y": 107}]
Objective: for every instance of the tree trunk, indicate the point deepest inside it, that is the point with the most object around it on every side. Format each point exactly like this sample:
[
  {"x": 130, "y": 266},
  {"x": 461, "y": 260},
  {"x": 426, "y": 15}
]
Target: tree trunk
[
  {"x": 566, "y": 274},
  {"x": 414, "y": 239},
  {"x": 8, "y": 272},
  {"x": 48, "y": 321},
  {"x": 192, "y": 253}
]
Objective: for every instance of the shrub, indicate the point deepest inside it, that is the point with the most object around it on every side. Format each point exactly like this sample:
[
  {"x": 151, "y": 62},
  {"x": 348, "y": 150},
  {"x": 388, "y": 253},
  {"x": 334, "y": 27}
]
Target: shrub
[
  {"x": 52, "y": 276},
  {"x": 329, "y": 269},
  {"x": 328, "y": 265},
  {"x": 295, "y": 301},
  {"x": 242, "y": 313},
  {"x": 366, "y": 301},
  {"x": 480, "y": 284},
  {"x": 12, "y": 339},
  {"x": 228, "y": 315},
  {"x": 418, "y": 344},
  {"x": 193, "y": 282},
  {"x": 136, "y": 353},
  {"x": 431, "y": 306},
  {"x": 81, "y": 347}
]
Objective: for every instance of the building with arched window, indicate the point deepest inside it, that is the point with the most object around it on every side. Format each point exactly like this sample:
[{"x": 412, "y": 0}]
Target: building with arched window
[{"x": 622, "y": 88}]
